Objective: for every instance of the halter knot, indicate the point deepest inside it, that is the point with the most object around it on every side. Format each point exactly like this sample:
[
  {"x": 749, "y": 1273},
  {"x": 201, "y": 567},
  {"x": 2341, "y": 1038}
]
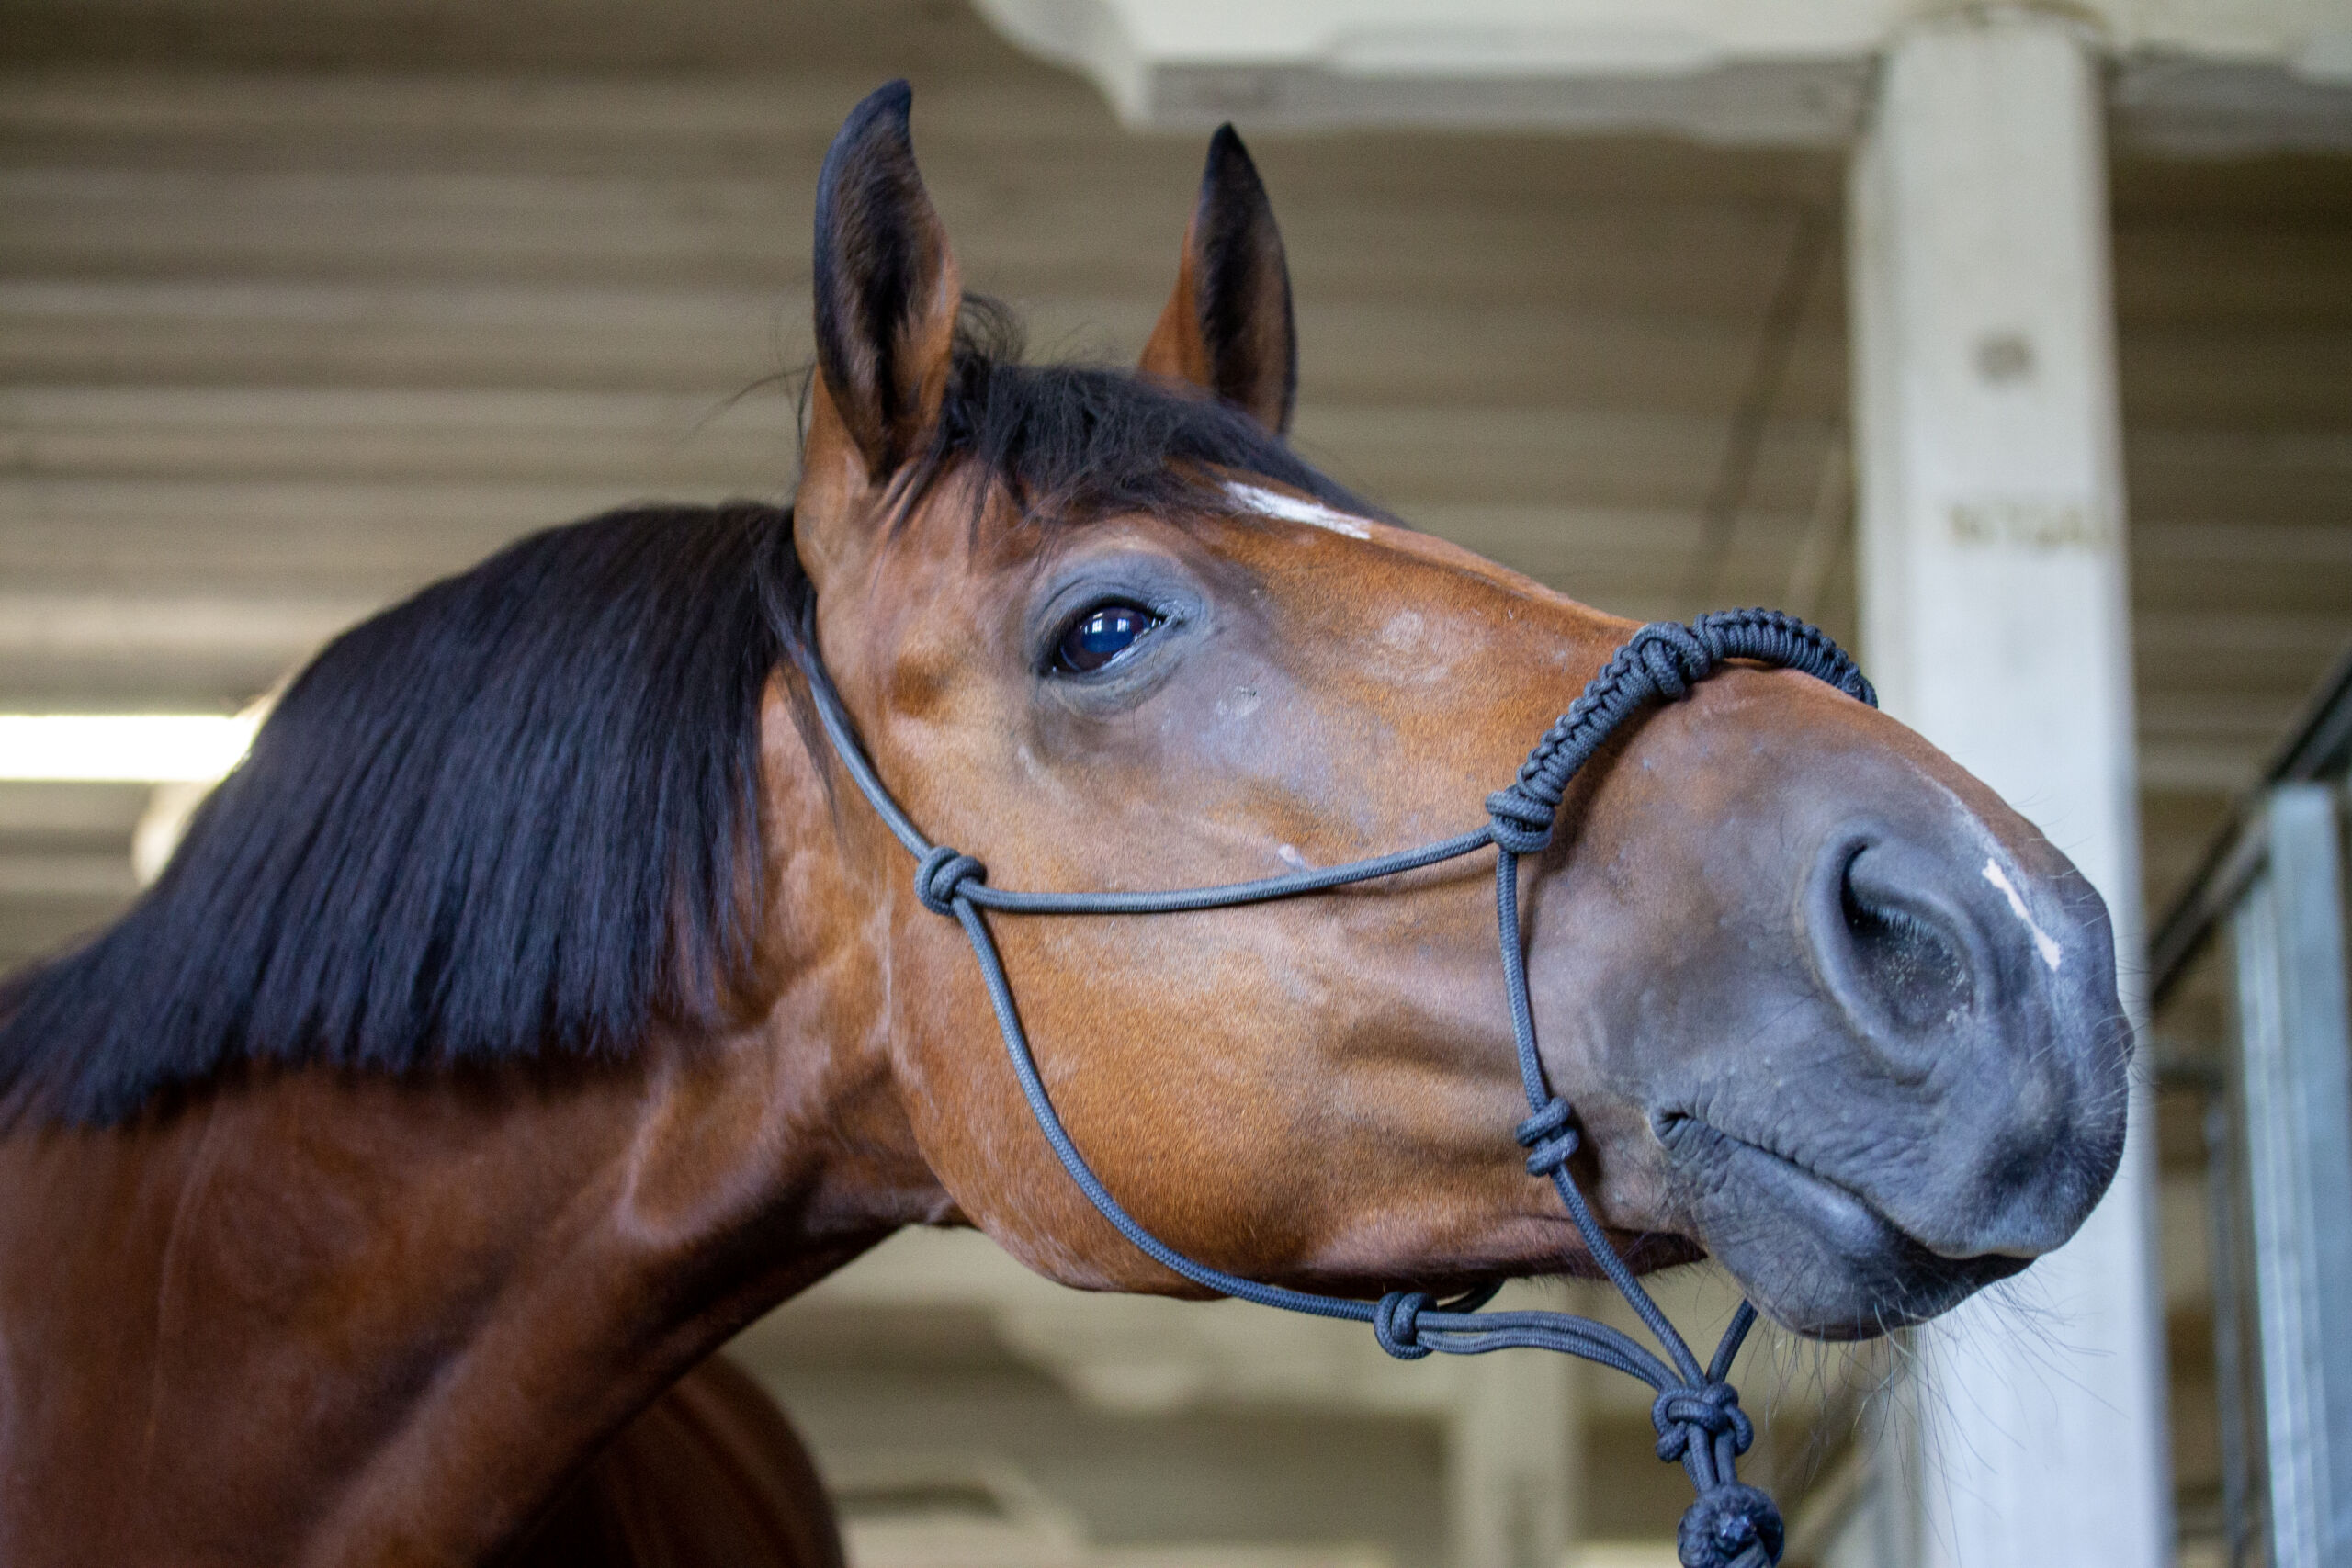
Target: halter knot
[
  {"x": 1711, "y": 1409},
  {"x": 1549, "y": 1136},
  {"x": 1396, "y": 1322},
  {"x": 1731, "y": 1526},
  {"x": 941, "y": 873},
  {"x": 1521, "y": 823},
  {"x": 1672, "y": 656}
]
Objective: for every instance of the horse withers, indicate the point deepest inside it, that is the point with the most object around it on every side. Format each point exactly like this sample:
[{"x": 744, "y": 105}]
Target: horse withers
[{"x": 539, "y": 1002}]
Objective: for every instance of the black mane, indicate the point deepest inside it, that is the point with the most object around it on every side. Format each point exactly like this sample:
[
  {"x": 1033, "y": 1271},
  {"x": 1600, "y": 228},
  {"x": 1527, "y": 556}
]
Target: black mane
[
  {"x": 516, "y": 816},
  {"x": 516, "y": 813}
]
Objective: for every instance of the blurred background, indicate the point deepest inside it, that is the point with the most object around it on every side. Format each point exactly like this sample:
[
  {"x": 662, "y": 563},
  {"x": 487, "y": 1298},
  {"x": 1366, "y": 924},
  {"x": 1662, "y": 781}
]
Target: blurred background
[{"x": 304, "y": 303}]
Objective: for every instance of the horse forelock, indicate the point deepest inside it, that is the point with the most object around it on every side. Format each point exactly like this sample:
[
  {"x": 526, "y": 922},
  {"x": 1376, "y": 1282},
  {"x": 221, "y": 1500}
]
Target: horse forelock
[{"x": 1073, "y": 442}]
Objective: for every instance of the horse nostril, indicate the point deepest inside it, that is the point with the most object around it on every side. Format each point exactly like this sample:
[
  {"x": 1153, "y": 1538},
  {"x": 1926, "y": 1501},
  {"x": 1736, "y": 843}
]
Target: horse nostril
[
  {"x": 1919, "y": 976},
  {"x": 1890, "y": 955}
]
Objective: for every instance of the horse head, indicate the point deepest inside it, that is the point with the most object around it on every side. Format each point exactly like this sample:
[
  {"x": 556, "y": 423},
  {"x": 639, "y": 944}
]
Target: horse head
[
  {"x": 551, "y": 990},
  {"x": 1827, "y": 1008}
]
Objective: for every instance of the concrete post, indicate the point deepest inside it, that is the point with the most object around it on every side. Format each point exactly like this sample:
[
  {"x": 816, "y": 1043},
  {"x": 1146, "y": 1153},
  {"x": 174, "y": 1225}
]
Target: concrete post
[
  {"x": 1510, "y": 1447},
  {"x": 1996, "y": 621}
]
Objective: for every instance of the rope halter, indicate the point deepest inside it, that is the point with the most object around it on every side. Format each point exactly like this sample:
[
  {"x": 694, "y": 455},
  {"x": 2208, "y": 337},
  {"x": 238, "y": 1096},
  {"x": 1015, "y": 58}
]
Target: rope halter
[{"x": 1697, "y": 1411}]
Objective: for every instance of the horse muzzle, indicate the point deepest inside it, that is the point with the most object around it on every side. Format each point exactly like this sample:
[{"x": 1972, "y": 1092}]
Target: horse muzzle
[{"x": 1940, "y": 1100}]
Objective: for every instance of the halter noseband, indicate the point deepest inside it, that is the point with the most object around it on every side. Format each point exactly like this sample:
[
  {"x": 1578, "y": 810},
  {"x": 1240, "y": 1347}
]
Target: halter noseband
[{"x": 1697, "y": 1412}]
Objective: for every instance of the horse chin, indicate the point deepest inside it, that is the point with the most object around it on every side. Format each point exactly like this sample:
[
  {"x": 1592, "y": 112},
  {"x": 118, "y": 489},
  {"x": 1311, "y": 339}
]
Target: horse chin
[{"x": 1813, "y": 1255}]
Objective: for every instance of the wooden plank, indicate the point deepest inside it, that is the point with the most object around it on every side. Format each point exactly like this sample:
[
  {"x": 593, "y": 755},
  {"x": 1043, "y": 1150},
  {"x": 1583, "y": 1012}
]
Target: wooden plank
[
  {"x": 2250, "y": 377},
  {"x": 2192, "y": 272},
  {"x": 76, "y": 875},
  {"x": 1105, "y": 229},
  {"x": 30, "y": 928},
  {"x": 719, "y": 341},
  {"x": 2260, "y": 652},
  {"x": 751, "y": 119},
  {"x": 875, "y": 36},
  {"x": 640, "y": 442},
  {"x": 227, "y": 332},
  {"x": 1587, "y": 457},
  {"x": 380, "y": 538},
  {"x": 51, "y": 813},
  {"x": 169, "y": 624}
]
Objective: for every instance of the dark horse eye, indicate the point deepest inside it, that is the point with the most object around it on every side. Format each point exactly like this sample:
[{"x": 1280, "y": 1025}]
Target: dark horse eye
[{"x": 1101, "y": 635}]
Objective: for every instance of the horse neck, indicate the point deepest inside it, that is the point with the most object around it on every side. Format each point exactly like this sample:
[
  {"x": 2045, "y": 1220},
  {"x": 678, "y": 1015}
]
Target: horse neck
[{"x": 425, "y": 1302}]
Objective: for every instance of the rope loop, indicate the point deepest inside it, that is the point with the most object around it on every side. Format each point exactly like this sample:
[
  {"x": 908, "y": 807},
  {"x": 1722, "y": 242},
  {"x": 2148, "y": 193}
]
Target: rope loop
[
  {"x": 1396, "y": 1323},
  {"x": 1550, "y": 1137},
  {"x": 1774, "y": 636},
  {"x": 941, "y": 873},
  {"x": 1710, "y": 1410},
  {"x": 1521, "y": 824},
  {"x": 1731, "y": 1526}
]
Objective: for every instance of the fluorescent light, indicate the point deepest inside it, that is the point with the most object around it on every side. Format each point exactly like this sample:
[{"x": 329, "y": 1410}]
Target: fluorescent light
[{"x": 125, "y": 748}]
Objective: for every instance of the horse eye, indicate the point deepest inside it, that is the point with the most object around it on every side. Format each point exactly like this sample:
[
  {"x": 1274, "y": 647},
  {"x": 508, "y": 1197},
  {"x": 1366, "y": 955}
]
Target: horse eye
[{"x": 1101, "y": 635}]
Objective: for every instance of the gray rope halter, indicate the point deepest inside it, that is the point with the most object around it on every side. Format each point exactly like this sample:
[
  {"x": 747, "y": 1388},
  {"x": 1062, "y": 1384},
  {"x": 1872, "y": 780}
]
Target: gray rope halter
[{"x": 1697, "y": 1413}]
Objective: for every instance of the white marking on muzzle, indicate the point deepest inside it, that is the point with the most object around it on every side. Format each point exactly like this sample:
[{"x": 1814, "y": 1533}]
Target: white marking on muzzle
[
  {"x": 1294, "y": 509},
  {"x": 2052, "y": 953}
]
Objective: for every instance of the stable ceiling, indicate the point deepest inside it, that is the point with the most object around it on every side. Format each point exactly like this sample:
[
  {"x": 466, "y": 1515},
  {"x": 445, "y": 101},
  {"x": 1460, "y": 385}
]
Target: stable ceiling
[{"x": 303, "y": 305}]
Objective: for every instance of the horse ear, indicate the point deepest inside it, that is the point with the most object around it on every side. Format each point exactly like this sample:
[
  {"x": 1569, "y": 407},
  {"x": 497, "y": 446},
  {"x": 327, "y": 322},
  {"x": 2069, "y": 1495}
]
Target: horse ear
[
  {"x": 887, "y": 287},
  {"x": 1227, "y": 328}
]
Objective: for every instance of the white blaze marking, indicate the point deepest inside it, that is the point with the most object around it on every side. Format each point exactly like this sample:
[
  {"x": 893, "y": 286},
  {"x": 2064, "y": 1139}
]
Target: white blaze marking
[
  {"x": 1294, "y": 509},
  {"x": 2052, "y": 953},
  {"x": 1288, "y": 854}
]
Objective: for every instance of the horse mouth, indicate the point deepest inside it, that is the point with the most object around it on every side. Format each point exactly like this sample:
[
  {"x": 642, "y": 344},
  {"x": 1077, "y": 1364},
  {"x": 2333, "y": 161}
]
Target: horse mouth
[{"x": 1813, "y": 1254}]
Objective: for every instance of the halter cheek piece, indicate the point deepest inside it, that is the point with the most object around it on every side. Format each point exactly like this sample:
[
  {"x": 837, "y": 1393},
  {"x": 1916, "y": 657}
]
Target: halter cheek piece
[{"x": 1697, "y": 1413}]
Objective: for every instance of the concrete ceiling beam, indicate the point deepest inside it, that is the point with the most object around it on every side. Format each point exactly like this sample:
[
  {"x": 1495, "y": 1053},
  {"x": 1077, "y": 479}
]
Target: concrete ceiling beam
[{"x": 2256, "y": 74}]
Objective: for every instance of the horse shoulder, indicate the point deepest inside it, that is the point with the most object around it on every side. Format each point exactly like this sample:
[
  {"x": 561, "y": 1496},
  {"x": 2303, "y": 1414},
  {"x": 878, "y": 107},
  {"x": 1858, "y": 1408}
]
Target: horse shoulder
[{"x": 710, "y": 1475}]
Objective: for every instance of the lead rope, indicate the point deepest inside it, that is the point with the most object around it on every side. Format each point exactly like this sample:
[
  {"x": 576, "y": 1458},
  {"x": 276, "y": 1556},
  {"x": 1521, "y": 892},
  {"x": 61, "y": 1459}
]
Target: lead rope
[{"x": 1697, "y": 1412}]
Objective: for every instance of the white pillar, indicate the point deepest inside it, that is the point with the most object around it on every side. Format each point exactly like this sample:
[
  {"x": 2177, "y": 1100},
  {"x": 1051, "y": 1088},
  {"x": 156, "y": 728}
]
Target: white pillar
[
  {"x": 1996, "y": 621},
  {"x": 1510, "y": 1472}
]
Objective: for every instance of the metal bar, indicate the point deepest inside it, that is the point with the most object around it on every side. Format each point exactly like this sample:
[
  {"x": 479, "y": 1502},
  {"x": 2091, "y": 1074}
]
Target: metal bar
[
  {"x": 2318, "y": 745},
  {"x": 2207, "y": 901},
  {"x": 2319, "y": 742},
  {"x": 2223, "y": 1198},
  {"x": 2296, "y": 1058}
]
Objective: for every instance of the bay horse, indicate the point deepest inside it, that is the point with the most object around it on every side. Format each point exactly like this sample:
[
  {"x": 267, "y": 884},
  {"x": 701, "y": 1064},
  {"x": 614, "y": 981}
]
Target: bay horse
[{"x": 538, "y": 1004}]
